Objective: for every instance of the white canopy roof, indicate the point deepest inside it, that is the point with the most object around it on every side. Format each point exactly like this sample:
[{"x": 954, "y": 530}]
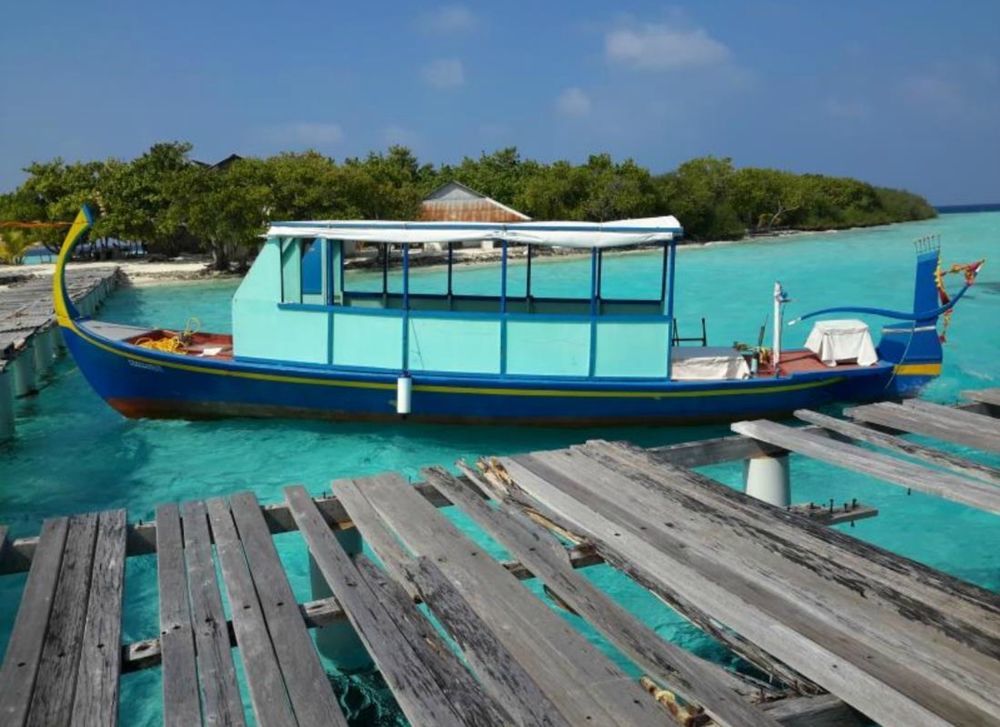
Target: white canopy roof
[{"x": 565, "y": 234}]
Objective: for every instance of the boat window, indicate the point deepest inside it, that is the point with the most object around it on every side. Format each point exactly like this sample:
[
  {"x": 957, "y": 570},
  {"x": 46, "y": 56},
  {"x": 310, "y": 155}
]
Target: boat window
[
  {"x": 631, "y": 275},
  {"x": 312, "y": 267}
]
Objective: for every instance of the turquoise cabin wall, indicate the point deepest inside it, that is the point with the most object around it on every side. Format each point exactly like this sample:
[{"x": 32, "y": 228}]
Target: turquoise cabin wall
[
  {"x": 260, "y": 328},
  {"x": 361, "y": 339},
  {"x": 558, "y": 348},
  {"x": 630, "y": 349},
  {"x": 448, "y": 344}
]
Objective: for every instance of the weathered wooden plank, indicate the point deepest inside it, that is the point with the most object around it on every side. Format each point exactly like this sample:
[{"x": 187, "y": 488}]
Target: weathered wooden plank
[
  {"x": 990, "y": 397},
  {"x": 666, "y": 563},
  {"x": 904, "y": 585},
  {"x": 181, "y": 706},
  {"x": 220, "y": 696},
  {"x": 52, "y": 698},
  {"x": 308, "y": 688},
  {"x": 24, "y": 649},
  {"x": 880, "y": 439},
  {"x": 945, "y": 426},
  {"x": 702, "y": 452},
  {"x": 465, "y": 693},
  {"x": 268, "y": 695},
  {"x": 374, "y": 531},
  {"x": 96, "y": 700},
  {"x": 823, "y": 710},
  {"x": 410, "y": 670},
  {"x": 696, "y": 680},
  {"x": 830, "y": 610},
  {"x": 583, "y": 684},
  {"x": 145, "y": 654},
  {"x": 972, "y": 492}
]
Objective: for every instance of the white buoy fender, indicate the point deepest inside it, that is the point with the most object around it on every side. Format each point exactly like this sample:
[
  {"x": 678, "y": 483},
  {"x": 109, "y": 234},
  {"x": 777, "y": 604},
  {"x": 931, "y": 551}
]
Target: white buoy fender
[{"x": 404, "y": 391}]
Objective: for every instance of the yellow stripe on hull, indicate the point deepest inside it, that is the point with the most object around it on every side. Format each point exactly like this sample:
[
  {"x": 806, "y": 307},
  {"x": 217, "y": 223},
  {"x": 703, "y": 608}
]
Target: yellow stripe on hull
[{"x": 927, "y": 369}]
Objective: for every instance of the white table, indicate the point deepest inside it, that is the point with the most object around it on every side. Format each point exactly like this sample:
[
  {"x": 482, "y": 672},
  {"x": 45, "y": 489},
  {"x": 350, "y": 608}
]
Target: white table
[
  {"x": 707, "y": 363},
  {"x": 838, "y": 341}
]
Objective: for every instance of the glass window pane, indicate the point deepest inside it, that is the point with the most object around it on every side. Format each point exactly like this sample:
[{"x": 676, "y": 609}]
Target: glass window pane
[{"x": 312, "y": 267}]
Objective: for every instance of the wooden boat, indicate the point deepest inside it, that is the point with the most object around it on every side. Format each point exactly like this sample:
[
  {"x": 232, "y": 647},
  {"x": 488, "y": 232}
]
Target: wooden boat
[{"x": 303, "y": 345}]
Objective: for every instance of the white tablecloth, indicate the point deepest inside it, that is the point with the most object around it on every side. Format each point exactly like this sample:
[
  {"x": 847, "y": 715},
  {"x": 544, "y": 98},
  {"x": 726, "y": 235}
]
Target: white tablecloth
[
  {"x": 707, "y": 363},
  {"x": 837, "y": 341}
]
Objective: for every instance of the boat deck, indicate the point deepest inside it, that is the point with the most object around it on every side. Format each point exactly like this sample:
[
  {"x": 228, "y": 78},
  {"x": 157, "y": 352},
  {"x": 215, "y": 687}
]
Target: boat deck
[{"x": 831, "y": 619}]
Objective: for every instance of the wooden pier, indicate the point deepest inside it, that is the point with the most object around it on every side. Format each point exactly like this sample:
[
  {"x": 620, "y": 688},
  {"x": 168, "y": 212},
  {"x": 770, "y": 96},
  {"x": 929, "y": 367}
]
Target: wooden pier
[
  {"x": 29, "y": 336},
  {"x": 841, "y": 627}
]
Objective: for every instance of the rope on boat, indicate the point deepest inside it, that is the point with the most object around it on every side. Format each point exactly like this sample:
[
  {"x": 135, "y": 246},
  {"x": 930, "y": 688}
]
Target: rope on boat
[{"x": 174, "y": 343}]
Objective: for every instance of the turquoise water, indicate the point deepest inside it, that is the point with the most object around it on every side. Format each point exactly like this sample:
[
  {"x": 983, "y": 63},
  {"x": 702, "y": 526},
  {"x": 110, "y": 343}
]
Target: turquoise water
[{"x": 74, "y": 454}]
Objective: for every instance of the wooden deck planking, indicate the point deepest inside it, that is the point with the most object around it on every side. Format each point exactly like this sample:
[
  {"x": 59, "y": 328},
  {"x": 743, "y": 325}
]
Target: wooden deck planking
[
  {"x": 937, "y": 457},
  {"x": 945, "y": 425},
  {"x": 96, "y": 699},
  {"x": 220, "y": 695},
  {"x": 696, "y": 680},
  {"x": 499, "y": 673},
  {"x": 968, "y": 491},
  {"x": 268, "y": 695},
  {"x": 309, "y": 690},
  {"x": 181, "y": 704},
  {"x": 407, "y": 662},
  {"x": 52, "y": 697},
  {"x": 818, "y": 547},
  {"x": 990, "y": 397},
  {"x": 583, "y": 684},
  {"x": 24, "y": 649},
  {"x": 961, "y": 645},
  {"x": 783, "y": 626}
]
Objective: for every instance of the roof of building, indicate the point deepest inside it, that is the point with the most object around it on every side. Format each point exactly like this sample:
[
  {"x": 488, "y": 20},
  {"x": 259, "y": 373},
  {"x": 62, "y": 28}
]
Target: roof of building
[{"x": 455, "y": 202}]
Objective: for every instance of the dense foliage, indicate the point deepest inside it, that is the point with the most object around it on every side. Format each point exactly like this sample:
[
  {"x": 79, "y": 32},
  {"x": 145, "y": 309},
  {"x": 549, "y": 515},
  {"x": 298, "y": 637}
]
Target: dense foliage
[{"x": 172, "y": 203}]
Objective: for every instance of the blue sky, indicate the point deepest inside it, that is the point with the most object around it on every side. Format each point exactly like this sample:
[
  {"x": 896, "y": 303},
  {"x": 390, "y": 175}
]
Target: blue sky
[{"x": 897, "y": 93}]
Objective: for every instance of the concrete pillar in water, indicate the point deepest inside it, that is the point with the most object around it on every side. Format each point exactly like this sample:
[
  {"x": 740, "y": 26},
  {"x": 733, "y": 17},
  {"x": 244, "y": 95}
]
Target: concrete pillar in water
[
  {"x": 43, "y": 351},
  {"x": 25, "y": 376},
  {"x": 767, "y": 479},
  {"x": 338, "y": 641},
  {"x": 6, "y": 401},
  {"x": 56, "y": 341}
]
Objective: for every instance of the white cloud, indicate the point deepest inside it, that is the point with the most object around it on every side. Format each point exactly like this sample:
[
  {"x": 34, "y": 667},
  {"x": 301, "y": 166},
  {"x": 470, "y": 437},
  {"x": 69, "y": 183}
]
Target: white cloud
[
  {"x": 306, "y": 133},
  {"x": 573, "y": 102},
  {"x": 443, "y": 73},
  {"x": 657, "y": 47},
  {"x": 448, "y": 19}
]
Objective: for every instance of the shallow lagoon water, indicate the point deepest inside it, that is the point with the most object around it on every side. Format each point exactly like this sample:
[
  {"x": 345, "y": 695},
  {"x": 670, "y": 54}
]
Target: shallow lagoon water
[{"x": 74, "y": 454}]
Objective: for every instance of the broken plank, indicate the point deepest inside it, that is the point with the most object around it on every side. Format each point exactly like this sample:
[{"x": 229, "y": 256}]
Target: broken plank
[
  {"x": 696, "y": 680},
  {"x": 20, "y": 665},
  {"x": 584, "y": 684},
  {"x": 268, "y": 695},
  {"x": 666, "y": 564},
  {"x": 948, "y": 428},
  {"x": 974, "y": 493},
  {"x": 220, "y": 696},
  {"x": 96, "y": 700},
  {"x": 181, "y": 706},
  {"x": 888, "y": 441},
  {"x": 990, "y": 397},
  {"x": 52, "y": 698},
  {"x": 418, "y": 693},
  {"x": 308, "y": 688}
]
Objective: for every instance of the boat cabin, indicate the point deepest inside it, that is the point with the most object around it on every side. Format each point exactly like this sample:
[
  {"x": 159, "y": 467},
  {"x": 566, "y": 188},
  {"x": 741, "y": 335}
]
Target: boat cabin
[{"x": 296, "y": 305}]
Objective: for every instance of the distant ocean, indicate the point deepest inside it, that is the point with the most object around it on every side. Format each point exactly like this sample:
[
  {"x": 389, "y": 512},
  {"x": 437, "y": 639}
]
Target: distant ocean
[{"x": 947, "y": 209}]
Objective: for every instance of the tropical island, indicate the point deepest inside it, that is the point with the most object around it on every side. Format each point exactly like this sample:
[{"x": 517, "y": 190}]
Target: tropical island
[{"x": 173, "y": 204}]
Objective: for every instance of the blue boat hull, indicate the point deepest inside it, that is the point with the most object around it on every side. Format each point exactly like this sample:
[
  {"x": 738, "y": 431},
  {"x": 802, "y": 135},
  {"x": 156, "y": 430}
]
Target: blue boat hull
[{"x": 139, "y": 382}]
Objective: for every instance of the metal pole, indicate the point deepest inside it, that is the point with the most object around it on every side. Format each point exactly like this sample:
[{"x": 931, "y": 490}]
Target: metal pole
[
  {"x": 503, "y": 307},
  {"x": 451, "y": 251},
  {"x": 406, "y": 309},
  {"x": 671, "y": 268}
]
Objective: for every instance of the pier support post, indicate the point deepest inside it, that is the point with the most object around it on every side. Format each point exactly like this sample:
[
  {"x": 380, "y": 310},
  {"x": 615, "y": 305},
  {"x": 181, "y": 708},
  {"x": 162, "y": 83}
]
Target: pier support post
[
  {"x": 767, "y": 479},
  {"x": 43, "y": 351},
  {"x": 338, "y": 641},
  {"x": 25, "y": 376},
  {"x": 56, "y": 341},
  {"x": 6, "y": 401}
]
